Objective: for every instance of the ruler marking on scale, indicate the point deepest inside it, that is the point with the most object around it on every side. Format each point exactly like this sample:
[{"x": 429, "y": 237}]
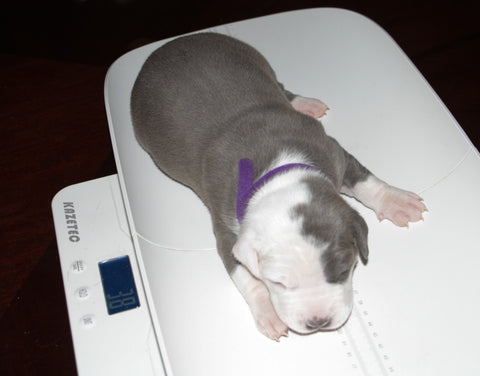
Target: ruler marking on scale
[
  {"x": 358, "y": 357},
  {"x": 358, "y": 333}
]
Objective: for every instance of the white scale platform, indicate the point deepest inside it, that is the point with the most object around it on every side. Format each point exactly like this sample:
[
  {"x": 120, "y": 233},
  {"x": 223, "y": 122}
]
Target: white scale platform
[{"x": 416, "y": 303}]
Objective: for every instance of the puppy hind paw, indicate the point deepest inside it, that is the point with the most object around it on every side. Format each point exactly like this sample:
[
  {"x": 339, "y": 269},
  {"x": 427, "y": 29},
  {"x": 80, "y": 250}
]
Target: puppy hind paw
[{"x": 309, "y": 106}]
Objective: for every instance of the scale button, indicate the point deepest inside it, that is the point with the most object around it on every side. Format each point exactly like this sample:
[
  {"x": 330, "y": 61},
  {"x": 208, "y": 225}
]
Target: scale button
[
  {"x": 78, "y": 266},
  {"x": 82, "y": 293},
  {"x": 88, "y": 321}
]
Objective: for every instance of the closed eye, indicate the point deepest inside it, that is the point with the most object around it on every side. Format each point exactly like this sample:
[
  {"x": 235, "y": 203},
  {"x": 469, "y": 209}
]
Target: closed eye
[
  {"x": 343, "y": 276},
  {"x": 278, "y": 284}
]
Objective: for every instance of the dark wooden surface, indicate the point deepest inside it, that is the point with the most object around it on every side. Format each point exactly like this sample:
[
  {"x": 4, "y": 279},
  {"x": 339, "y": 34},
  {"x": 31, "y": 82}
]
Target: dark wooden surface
[{"x": 54, "y": 56}]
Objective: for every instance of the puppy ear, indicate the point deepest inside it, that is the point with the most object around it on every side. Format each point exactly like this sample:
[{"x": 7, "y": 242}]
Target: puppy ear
[
  {"x": 245, "y": 252},
  {"x": 360, "y": 231}
]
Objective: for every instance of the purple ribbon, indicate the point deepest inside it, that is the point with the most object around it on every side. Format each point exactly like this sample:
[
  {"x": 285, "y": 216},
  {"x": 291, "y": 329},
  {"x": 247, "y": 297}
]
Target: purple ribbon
[{"x": 246, "y": 186}]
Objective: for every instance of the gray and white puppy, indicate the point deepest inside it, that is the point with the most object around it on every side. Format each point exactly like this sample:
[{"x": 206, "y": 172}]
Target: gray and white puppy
[{"x": 212, "y": 115}]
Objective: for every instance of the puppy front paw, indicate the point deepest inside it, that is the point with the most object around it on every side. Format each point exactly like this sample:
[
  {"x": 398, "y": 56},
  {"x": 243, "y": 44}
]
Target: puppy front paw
[
  {"x": 399, "y": 206},
  {"x": 257, "y": 296},
  {"x": 388, "y": 202},
  {"x": 268, "y": 322}
]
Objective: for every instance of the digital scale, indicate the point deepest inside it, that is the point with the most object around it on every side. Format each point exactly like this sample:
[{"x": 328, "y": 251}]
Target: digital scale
[{"x": 147, "y": 293}]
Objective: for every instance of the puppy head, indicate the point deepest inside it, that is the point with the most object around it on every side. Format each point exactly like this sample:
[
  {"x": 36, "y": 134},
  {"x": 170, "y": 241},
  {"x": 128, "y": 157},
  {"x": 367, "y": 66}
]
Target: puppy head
[{"x": 305, "y": 254}]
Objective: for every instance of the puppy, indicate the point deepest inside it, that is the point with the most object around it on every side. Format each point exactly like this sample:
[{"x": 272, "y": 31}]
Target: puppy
[{"x": 212, "y": 115}]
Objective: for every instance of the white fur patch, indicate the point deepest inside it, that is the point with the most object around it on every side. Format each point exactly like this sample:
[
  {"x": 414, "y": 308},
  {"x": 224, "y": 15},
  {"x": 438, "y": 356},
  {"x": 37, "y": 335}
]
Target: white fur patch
[
  {"x": 272, "y": 248},
  {"x": 287, "y": 157},
  {"x": 298, "y": 288},
  {"x": 283, "y": 191},
  {"x": 280, "y": 181}
]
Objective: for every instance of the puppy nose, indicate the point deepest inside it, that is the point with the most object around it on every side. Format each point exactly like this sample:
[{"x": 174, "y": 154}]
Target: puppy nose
[{"x": 318, "y": 323}]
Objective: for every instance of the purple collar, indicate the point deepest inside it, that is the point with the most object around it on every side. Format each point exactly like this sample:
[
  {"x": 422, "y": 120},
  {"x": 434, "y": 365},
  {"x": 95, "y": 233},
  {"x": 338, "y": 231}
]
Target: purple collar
[{"x": 246, "y": 186}]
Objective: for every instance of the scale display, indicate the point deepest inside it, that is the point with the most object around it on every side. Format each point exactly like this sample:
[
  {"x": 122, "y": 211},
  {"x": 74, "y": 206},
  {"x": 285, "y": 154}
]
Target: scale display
[{"x": 118, "y": 285}]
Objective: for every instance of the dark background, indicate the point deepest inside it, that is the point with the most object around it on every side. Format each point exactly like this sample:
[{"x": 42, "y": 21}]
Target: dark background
[{"x": 54, "y": 56}]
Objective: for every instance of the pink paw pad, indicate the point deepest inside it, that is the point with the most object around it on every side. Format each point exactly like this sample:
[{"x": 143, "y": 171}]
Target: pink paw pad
[{"x": 400, "y": 207}]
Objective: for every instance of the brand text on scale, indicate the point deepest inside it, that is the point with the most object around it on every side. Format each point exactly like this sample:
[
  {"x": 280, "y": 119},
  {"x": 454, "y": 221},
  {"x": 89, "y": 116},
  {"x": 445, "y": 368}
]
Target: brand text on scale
[{"x": 71, "y": 221}]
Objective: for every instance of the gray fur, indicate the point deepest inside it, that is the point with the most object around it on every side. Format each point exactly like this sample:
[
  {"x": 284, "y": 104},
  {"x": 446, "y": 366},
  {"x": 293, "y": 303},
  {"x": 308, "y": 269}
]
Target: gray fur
[
  {"x": 327, "y": 218},
  {"x": 203, "y": 102}
]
